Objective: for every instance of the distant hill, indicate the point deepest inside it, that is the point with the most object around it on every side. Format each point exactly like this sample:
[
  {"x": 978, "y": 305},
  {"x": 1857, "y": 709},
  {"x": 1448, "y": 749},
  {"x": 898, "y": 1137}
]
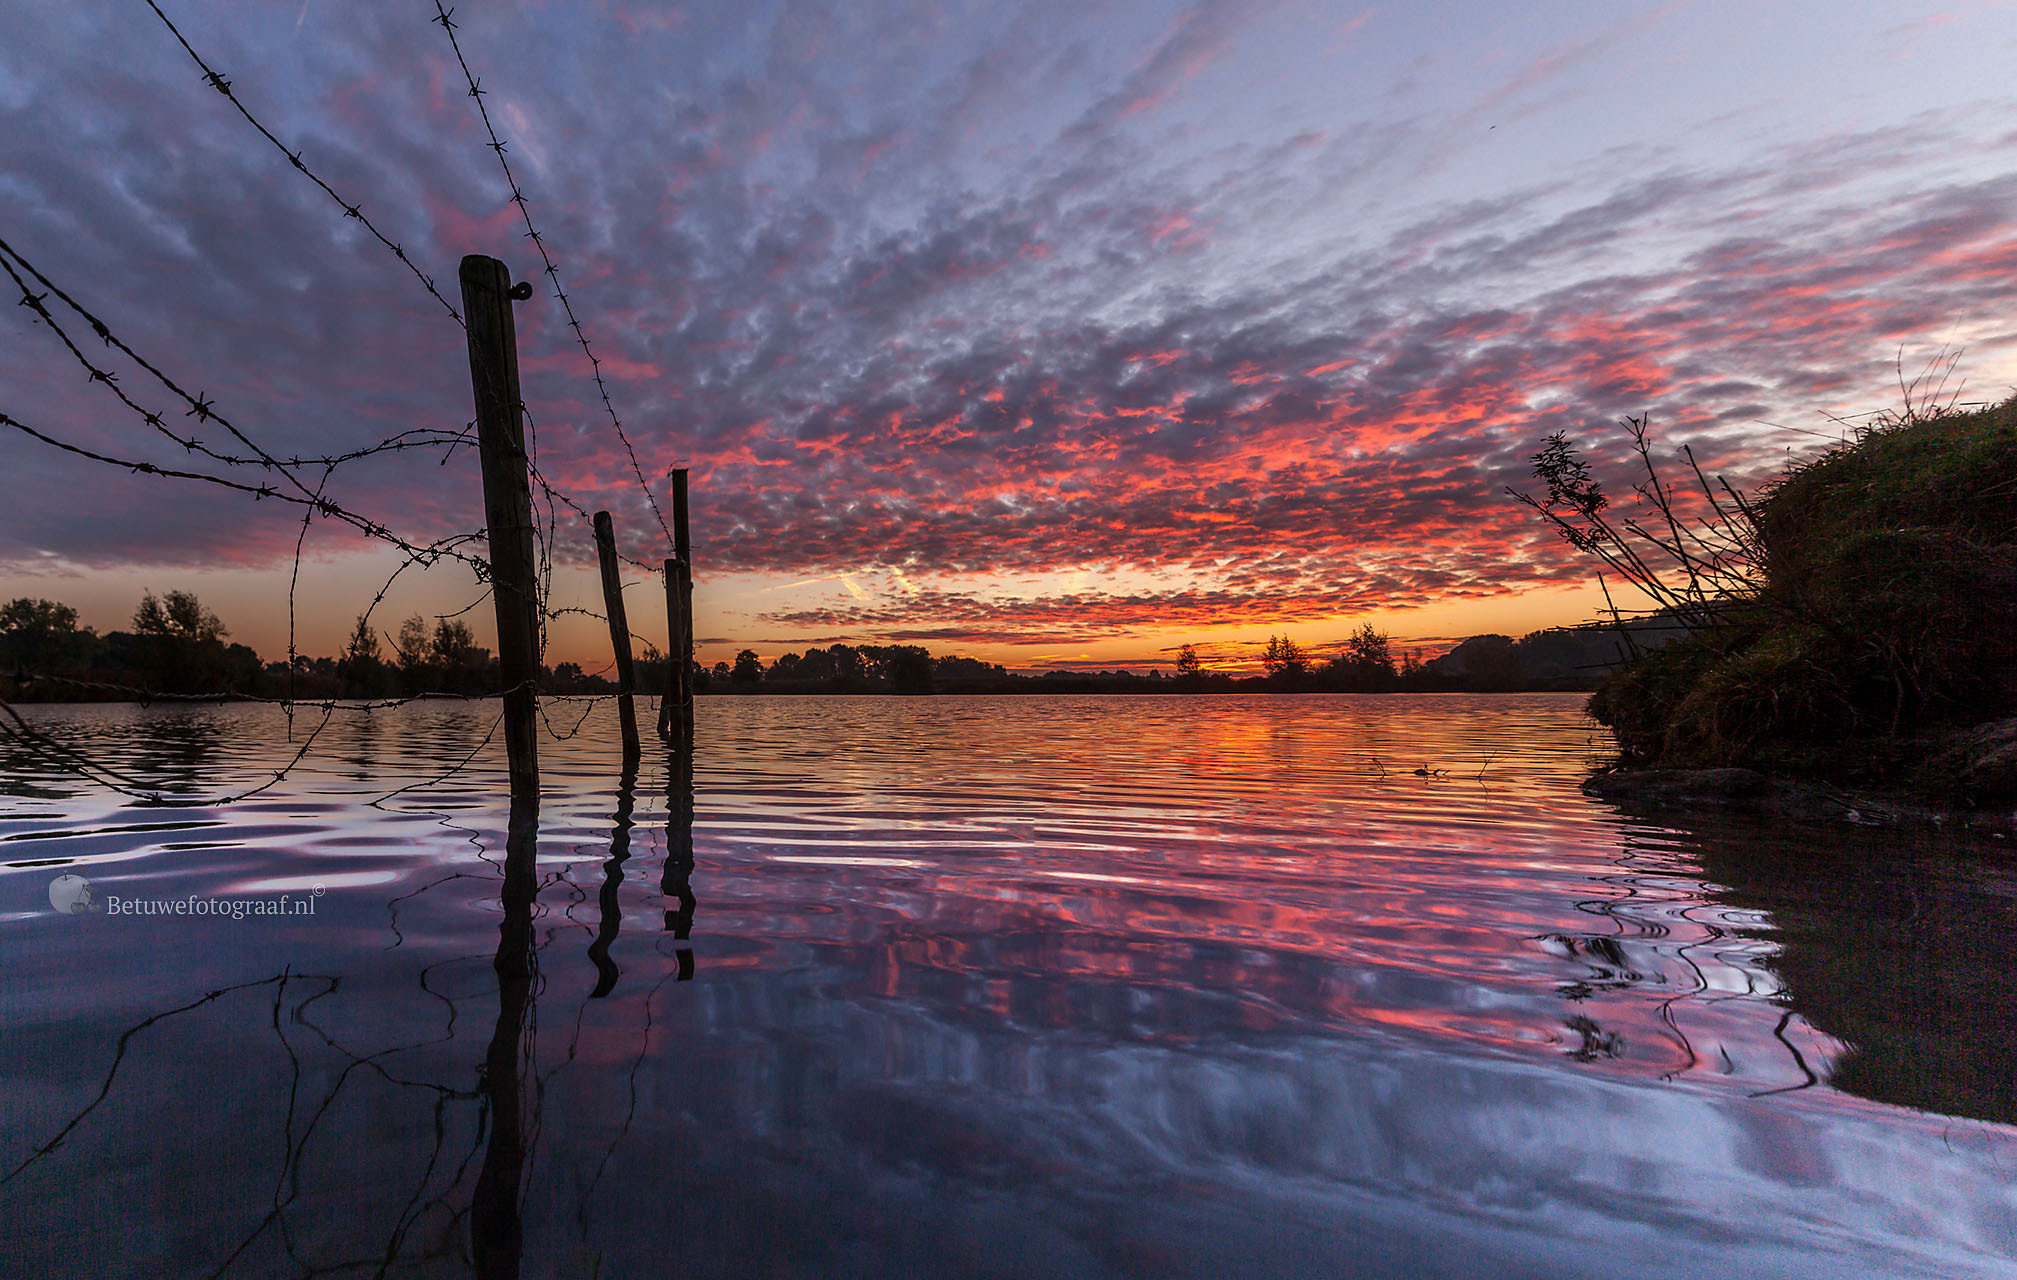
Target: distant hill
[{"x": 1555, "y": 658}]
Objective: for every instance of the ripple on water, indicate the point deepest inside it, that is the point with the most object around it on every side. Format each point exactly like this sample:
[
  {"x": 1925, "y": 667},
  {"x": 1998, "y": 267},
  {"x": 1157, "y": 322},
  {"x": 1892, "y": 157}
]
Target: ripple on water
[{"x": 1122, "y": 965}]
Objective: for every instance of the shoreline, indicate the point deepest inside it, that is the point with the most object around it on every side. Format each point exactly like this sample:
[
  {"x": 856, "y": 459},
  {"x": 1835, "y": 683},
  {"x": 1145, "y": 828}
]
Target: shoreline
[{"x": 1747, "y": 793}]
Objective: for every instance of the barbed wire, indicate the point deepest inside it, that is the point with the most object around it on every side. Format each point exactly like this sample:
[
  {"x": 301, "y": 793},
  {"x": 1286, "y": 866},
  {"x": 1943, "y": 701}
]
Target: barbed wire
[
  {"x": 459, "y": 1108},
  {"x": 25, "y": 735},
  {"x": 442, "y": 18},
  {"x": 294, "y": 482},
  {"x": 215, "y": 80}
]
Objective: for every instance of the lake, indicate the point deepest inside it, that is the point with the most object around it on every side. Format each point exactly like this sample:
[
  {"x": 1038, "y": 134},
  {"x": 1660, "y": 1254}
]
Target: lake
[{"x": 1015, "y": 986}]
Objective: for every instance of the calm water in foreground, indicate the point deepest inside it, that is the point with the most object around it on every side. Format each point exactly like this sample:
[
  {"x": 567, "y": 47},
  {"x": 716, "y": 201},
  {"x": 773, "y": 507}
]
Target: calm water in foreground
[{"x": 985, "y": 987}]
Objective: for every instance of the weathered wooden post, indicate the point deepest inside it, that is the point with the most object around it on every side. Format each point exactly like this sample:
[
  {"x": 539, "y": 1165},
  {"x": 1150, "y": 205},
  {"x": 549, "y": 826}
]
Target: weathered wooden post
[
  {"x": 507, "y": 508},
  {"x": 619, "y": 632},
  {"x": 675, "y": 713},
  {"x": 682, "y": 546},
  {"x": 672, "y": 708}
]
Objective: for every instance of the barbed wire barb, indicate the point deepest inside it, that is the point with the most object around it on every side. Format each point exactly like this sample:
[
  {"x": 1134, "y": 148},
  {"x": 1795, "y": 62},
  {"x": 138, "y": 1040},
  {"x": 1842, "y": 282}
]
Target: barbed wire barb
[
  {"x": 548, "y": 268},
  {"x": 294, "y": 159}
]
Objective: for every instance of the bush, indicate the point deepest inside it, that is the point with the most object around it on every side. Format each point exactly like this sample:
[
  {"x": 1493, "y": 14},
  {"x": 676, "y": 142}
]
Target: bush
[{"x": 1885, "y": 611}]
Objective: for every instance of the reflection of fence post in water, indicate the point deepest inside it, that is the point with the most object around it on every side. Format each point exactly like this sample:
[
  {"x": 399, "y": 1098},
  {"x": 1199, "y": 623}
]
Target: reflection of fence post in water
[
  {"x": 677, "y": 883},
  {"x": 495, "y": 1231},
  {"x": 507, "y": 507},
  {"x": 619, "y": 634},
  {"x": 612, "y": 880}
]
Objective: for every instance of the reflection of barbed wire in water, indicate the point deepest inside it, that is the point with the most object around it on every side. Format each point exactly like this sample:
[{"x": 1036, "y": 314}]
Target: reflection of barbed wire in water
[
  {"x": 484, "y": 1140},
  {"x": 24, "y": 735},
  {"x": 1656, "y": 889}
]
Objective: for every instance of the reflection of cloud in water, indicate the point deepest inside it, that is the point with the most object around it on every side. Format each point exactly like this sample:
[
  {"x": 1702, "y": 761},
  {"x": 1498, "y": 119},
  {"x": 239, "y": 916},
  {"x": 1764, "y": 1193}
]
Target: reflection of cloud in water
[{"x": 1244, "y": 1007}]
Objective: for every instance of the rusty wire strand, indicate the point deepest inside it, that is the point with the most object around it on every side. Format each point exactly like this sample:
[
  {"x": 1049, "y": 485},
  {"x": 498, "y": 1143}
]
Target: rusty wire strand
[
  {"x": 311, "y": 496},
  {"x": 442, "y": 18},
  {"x": 217, "y": 81}
]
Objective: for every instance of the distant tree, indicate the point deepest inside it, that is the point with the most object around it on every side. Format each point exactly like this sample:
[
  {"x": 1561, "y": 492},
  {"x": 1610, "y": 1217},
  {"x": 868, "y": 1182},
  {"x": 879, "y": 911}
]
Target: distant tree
[
  {"x": 411, "y": 646},
  {"x": 848, "y": 663},
  {"x": 454, "y": 646},
  {"x": 1488, "y": 662},
  {"x": 1285, "y": 659},
  {"x": 181, "y": 644},
  {"x": 363, "y": 643},
  {"x": 1188, "y": 666},
  {"x": 241, "y": 668},
  {"x": 361, "y": 668},
  {"x": 41, "y": 635},
  {"x": 464, "y": 665},
  {"x": 1411, "y": 666},
  {"x": 1369, "y": 661},
  {"x": 180, "y": 616},
  {"x": 961, "y": 667},
  {"x": 910, "y": 668},
  {"x": 718, "y": 673},
  {"x": 748, "y": 668}
]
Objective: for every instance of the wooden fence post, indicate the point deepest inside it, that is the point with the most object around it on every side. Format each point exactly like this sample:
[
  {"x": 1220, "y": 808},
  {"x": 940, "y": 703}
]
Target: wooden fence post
[
  {"x": 619, "y": 631},
  {"x": 675, "y": 715},
  {"x": 507, "y": 509},
  {"x": 682, "y": 546}
]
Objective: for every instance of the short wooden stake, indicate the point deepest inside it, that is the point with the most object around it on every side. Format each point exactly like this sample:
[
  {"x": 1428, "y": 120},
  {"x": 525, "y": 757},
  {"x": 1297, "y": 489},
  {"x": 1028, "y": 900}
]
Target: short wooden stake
[
  {"x": 507, "y": 510},
  {"x": 619, "y": 631}
]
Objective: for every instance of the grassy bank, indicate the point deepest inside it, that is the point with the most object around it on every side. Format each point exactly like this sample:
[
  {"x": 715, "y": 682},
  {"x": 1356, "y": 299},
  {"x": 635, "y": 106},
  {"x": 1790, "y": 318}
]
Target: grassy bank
[{"x": 1878, "y": 644}]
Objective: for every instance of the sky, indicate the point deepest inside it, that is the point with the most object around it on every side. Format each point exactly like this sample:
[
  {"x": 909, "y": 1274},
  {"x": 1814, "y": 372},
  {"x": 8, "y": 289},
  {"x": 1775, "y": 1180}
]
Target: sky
[{"x": 1056, "y": 334}]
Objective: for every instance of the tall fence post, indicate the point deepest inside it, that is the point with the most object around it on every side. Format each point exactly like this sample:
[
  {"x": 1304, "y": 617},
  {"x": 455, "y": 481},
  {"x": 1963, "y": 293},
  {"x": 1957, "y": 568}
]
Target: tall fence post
[
  {"x": 619, "y": 631},
  {"x": 507, "y": 509},
  {"x": 675, "y": 714}
]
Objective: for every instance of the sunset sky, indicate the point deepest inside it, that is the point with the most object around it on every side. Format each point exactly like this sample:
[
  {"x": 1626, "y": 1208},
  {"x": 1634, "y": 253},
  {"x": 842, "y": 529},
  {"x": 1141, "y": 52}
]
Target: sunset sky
[{"x": 1053, "y": 333}]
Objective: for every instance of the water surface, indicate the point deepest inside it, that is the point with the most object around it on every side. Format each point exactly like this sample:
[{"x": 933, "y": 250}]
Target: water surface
[{"x": 1078, "y": 986}]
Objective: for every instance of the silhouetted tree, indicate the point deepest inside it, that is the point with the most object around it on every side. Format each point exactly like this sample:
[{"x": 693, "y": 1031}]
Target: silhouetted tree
[
  {"x": 180, "y": 616},
  {"x": 748, "y": 668},
  {"x": 41, "y": 635},
  {"x": 1188, "y": 666},
  {"x": 1367, "y": 665},
  {"x": 1486, "y": 662},
  {"x": 1284, "y": 659},
  {"x": 1411, "y": 666},
  {"x": 464, "y": 665},
  {"x": 411, "y": 646},
  {"x": 182, "y": 643},
  {"x": 454, "y": 645},
  {"x": 909, "y": 669},
  {"x": 361, "y": 668}
]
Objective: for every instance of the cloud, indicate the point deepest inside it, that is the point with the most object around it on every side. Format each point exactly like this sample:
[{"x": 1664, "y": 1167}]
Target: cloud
[{"x": 908, "y": 301}]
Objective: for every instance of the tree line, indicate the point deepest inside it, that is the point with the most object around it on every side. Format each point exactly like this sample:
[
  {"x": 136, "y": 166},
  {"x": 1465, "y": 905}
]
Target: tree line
[{"x": 178, "y": 646}]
